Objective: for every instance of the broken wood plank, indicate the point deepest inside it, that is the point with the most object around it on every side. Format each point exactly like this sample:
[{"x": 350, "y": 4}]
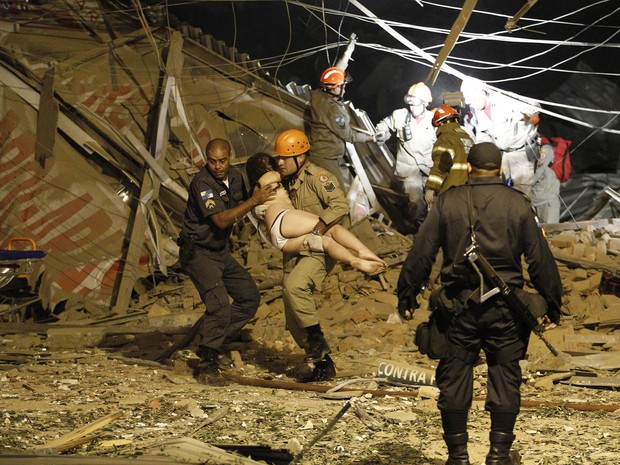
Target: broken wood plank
[
  {"x": 322, "y": 433},
  {"x": 195, "y": 451},
  {"x": 80, "y": 435},
  {"x": 602, "y": 361},
  {"x": 593, "y": 381},
  {"x": 592, "y": 338},
  {"x": 221, "y": 413},
  {"x": 366, "y": 418}
]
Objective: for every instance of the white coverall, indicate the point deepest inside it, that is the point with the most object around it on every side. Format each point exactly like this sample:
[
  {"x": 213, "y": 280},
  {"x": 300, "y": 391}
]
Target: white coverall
[
  {"x": 502, "y": 122},
  {"x": 414, "y": 154},
  {"x": 546, "y": 188}
]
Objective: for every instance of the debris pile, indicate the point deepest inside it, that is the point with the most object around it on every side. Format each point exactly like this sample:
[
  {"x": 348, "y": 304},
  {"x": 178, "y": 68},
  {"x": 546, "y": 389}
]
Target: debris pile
[{"x": 64, "y": 383}]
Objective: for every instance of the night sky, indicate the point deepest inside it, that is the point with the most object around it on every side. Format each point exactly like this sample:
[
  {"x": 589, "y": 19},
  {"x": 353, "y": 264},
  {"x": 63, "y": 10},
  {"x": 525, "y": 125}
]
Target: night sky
[{"x": 267, "y": 30}]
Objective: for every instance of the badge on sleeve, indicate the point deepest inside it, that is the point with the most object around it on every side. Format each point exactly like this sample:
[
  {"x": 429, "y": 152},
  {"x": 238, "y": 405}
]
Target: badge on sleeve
[
  {"x": 325, "y": 180},
  {"x": 340, "y": 121},
  {"x": 329, "y": 186},
  {"x": 208, "y": 194},
  {"x": 210, "y": 204}
]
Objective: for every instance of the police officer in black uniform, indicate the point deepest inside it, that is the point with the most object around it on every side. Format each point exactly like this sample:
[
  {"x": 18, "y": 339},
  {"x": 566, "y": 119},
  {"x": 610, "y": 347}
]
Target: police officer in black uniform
[
  {"x": 217, "y": 200},
  {"x": 505, "y": 230}
]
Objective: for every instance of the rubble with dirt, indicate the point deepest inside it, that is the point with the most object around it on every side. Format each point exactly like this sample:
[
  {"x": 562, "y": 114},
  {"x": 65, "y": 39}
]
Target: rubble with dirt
[{"x": 93, "y": 384}]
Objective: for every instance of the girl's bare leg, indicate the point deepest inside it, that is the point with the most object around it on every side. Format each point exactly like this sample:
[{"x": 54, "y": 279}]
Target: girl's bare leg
[
  {"x": 347, "y": 239},
  {"x": 337, "y": 252}
]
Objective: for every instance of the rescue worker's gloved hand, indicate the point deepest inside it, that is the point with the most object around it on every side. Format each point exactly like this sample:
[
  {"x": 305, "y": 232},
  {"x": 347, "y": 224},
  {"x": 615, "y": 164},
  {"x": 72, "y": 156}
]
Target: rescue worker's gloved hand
[
  {"x": 429, "y": 196},
  {"x": 314, "y": 242},
  {"x": 533, "y": 119},
  {"x": 407, "y": 305},
  {"x": 380, "y": 137}
]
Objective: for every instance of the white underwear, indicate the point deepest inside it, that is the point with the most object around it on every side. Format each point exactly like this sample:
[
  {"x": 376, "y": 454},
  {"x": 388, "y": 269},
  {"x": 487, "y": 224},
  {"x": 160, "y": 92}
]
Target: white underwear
[{"x": 275, "y": 233}]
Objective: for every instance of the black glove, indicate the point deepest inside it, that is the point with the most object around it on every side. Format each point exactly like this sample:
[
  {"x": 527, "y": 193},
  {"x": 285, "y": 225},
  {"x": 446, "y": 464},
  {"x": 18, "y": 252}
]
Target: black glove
[
  {"x": 554, "y": 314},
  {"x": 407, "y": 305}
]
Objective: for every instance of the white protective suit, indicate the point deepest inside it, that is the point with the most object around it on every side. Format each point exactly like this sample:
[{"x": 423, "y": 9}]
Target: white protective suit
[
  {"x": 504, "y": 121},
  {"x": 546, "y": 188},
  {"x": 414, "y": 154}
]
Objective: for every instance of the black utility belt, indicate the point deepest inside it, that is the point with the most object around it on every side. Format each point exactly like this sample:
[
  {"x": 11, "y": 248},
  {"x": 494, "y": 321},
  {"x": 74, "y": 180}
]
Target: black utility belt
[{"x": 190, "y": 241}]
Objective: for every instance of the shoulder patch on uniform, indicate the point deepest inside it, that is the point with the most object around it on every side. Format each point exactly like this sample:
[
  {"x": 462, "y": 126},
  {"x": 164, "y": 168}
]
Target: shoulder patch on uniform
[
  {"x": 329, "y": 186},
  {"x": 340, "y": 121},
  {"x": 323, "y": 177},
  {"x": 210, "y": 204}
]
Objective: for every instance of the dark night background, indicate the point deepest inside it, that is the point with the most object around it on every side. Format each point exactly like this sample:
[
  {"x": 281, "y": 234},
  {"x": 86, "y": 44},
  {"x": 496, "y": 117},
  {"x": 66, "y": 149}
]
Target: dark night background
[{"x": 266, "y": 30}]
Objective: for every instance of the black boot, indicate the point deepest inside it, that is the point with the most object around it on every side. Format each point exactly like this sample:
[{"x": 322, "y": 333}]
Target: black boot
[
  {"x": 323, "y": 370},
  {"x": 457, "y": 448},
  {"x": 499, "y": 452},
  {"x": 316, "y": 345},
  {"x": 208, "y": 369}
]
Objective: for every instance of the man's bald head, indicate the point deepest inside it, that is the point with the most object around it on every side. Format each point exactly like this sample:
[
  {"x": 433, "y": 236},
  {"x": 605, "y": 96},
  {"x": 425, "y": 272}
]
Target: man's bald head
[
  {"x": 218, "y": 158},
  {"x": 218, "y": 146}
]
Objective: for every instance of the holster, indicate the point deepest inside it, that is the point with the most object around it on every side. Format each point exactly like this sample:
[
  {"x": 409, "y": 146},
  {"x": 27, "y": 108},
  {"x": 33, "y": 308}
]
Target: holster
[
  {"x": 431, "y": 336},
  {"x": 431, "y": 341},
  {"x": 186, "y": 249}
]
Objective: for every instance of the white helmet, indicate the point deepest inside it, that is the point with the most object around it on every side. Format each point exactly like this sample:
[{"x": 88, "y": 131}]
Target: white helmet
[{"x": 420, "y": 91}]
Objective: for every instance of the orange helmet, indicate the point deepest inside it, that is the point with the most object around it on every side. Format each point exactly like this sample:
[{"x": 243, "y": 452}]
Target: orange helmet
[
  {"x": 291, "y": 143},
  {"x": 334, "y": 77},
  {"x": 443, "y": 114}
]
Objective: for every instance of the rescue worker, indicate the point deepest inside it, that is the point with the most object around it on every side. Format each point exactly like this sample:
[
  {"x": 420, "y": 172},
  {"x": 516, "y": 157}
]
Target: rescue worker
[
  {"x": 505, "y": 229},
  {"x": 510, "y": 124},
  {"x": 449, "y": 154},
  {"x": 416, "y": 135},
  {"x": 546, "y": 188},
  {"x": 315, "y": 190},
  {"x": 330, "y": 124},
  {"x": 217, "y": 200}
]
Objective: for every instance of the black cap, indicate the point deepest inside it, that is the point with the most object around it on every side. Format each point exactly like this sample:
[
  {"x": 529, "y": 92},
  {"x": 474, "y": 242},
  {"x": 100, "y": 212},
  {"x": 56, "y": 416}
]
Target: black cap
[{"x": 486, "y": 156}]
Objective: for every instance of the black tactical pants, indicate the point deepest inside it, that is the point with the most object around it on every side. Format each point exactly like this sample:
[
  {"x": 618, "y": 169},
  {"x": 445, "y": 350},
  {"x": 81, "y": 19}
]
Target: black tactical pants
[
  {"x": 217, "y": 275},
  {"x": 503, "y": 338}
]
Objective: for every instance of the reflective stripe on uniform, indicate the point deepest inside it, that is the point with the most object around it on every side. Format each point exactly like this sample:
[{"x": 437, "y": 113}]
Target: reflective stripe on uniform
[
  {"x": 439, "y": 148},
  {"x": 436, "y": 179},
  {"x": 459, "y": 166}
]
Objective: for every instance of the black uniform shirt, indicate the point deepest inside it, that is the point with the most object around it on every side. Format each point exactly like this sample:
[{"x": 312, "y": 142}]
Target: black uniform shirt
[
  {"x": 506, "y": 229},
  {"x": 208, "y": 196}
]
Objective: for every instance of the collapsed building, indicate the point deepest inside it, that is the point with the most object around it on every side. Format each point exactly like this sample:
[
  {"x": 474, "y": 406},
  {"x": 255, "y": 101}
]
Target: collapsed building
[
  {"x": 105, "y": 115},
  {"x": 104, "y": 122}
]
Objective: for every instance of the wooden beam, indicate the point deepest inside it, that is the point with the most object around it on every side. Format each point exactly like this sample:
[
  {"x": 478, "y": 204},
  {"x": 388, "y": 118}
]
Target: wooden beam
[
  {"x": 512, "y": 22},
  {"x": 80, "y": 435},
  {"x": 457, "y": 27},
  {"x": 149, "y": 190}
]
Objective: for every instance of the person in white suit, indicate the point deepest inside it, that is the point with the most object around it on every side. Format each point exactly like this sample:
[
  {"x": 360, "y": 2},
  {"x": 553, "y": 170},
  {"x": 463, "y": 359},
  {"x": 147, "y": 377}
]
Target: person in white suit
[{"x": 510, "y": 124}]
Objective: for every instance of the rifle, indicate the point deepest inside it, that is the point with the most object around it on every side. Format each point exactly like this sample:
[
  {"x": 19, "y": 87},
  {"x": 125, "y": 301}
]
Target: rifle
[{"x": 484, "y": 270}]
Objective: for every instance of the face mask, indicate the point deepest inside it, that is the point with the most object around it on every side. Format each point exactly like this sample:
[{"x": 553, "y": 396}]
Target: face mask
[{"x": 417, "y": 110}]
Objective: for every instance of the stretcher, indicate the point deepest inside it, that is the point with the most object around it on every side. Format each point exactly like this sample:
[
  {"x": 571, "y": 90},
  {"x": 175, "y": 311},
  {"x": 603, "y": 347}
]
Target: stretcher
[{"x": 18, "y": 262}]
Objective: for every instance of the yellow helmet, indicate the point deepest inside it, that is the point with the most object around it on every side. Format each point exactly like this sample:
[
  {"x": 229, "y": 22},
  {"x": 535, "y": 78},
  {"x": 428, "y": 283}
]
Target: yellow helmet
[{"x": 291, "y": 143}]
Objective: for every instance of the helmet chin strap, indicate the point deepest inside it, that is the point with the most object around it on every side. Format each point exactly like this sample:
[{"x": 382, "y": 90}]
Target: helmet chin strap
[
  {"x": 297, "y": 165},
  {"x": 338, "y": 96}
]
